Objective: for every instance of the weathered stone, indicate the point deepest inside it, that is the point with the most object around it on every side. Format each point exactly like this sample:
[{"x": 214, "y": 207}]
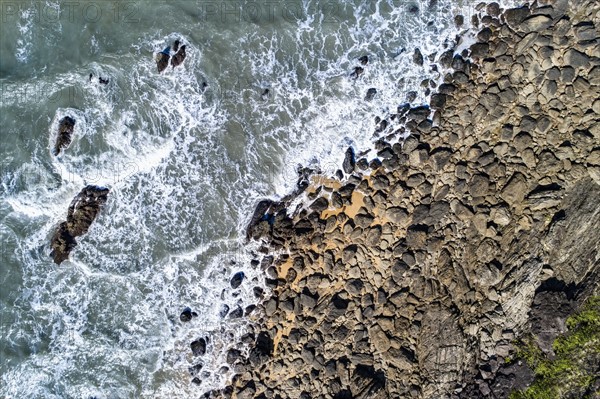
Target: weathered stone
[
  {"x": 199, "y": 347},
  {"x": 515, "y": 190},
  {"x": 349, "y": 161},
  {"x": 576, "y": 59},
  {"x": 536, "y": 23},
  {"x": 82, "y": 211}
]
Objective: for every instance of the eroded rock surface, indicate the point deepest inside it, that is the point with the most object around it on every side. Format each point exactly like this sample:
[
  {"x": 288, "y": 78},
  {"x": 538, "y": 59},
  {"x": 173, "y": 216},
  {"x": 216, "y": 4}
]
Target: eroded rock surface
[
  {"x": 65, "y": 134},
  {"x": 81, "y": 213},
  {"x": 415, "y": 279}
]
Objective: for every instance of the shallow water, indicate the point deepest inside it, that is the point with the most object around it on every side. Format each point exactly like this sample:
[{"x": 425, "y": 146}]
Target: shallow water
[{"x": 185, "y": 166}]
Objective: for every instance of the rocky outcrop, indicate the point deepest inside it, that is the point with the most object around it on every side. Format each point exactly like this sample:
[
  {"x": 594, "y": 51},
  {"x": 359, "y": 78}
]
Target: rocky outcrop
[
  {"x": 163, "y": 58},
  {"x": 83, "y": 210},
  {"x": 414, "y": 275},
  {"x": 65, "y": 134}
]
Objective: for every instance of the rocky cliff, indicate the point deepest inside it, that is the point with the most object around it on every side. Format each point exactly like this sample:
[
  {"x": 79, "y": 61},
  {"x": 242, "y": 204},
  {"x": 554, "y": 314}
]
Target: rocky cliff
[{"x": 414, "y": 274}]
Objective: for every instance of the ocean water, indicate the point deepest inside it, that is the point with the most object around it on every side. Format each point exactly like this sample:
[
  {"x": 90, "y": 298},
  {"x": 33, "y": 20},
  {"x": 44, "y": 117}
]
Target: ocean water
[{"x": 186, "y": 155}]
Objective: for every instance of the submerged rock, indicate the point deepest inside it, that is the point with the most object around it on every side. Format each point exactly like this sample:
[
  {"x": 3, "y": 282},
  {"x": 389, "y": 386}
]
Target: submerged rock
[
  {"x": 370, "y": 94},
  {"x": 198, "y": 347},
  {"x": 65, "y": 134},
  {"x": 187, "y": 315},
  {"x": 83, "y": 210},
  {"x": 237, "y": 279}
]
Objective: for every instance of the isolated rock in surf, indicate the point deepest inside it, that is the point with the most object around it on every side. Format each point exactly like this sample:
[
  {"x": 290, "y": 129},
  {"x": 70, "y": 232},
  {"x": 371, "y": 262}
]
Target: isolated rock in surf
[
  {"x": 65, "y": 134},
  {"x": 178, "y": 57},
  {"x": 83, "y": 210},
  {"x": 163, "y": 58}
]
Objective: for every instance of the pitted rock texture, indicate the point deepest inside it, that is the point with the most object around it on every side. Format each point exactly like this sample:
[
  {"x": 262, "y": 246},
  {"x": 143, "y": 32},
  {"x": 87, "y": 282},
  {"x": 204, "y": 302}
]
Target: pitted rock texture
[{"x": 408, "y": 281}]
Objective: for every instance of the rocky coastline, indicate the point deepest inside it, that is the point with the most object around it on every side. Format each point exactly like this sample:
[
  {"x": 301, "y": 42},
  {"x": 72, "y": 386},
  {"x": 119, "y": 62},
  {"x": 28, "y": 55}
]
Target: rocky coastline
[{"x": 415, "y": 274}]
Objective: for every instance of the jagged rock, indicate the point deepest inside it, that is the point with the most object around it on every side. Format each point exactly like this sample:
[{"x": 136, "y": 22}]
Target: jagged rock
[
  {"x": 198, "y": 347},
  {"x": 237, "y": 279},
  {"x": 187, "y": 315},
  {"x": 349, "y": 161},
  {"x": 65, "y": 134},
  {"x": 370, "y": 94},
  {"x": 357, "y": 72},
  {"x": 179, "y": 57},
  {"x": 418, "y": 57},
  {"x": 81, "y": 213},
  {"x": 430, "y": 263},
  {"x": 162, "y": 60}
]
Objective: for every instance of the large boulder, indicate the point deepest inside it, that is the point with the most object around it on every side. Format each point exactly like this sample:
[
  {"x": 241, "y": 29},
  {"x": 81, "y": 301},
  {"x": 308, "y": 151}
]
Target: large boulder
[
  {"x": 83, "y": 210},
  {"x": 65, "y": 134}
]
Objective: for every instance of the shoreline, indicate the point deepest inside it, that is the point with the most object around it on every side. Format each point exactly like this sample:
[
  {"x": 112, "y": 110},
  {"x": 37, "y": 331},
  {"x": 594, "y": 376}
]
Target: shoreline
[{"x": 411, "y": 280}]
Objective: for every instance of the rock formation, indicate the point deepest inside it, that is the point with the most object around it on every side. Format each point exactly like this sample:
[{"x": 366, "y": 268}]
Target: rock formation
[
  {"x": 414, "y": 280},
  {"x": 83, "y": 210},
  {"x": 65, "y": 134}
]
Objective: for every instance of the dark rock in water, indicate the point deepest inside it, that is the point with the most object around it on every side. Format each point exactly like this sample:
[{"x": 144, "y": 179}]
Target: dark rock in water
[
  {"x": 65, "y": 134},
  {"x": 187, "y": 315},
  {"x": 418, "y": 57},
  {"x": 62, "y": 244},
  {"x": 195, "y": 369},
  {"x": 83, "y": 210},
  {"x": 178, "y": 57},
  {"x": 438, "y": 101},
  {"x": 261, "y": 209},
  {"x": 224, "y": 310},
  {"x": 265, "y": 94},
  {"x": 237, "y": 279},
  {"x": 349, "y": 161},
  {"x": 236, "y": 313},
  {"x": 101, "y": 80},
  {"x": 480, "y": 50},
  {"x": 198, "y": 347},
  {"x": 364, "y": 60},
  {"x": 362, "y": 164},
  {"x": 419, "y": 113},
  {"x": 175, "y": 46},
  {"x": 357, "y": 72},
  {"x": 446, "y": 58},
  {"x": 258, "y": 292},
  {"x": 249, "y": 309},
  {"x": 162, "y": 61},
  {"x": 233, "y": 355},
  {"x": 370, "y": 94},
  {"x": 459, "y": 20}
]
